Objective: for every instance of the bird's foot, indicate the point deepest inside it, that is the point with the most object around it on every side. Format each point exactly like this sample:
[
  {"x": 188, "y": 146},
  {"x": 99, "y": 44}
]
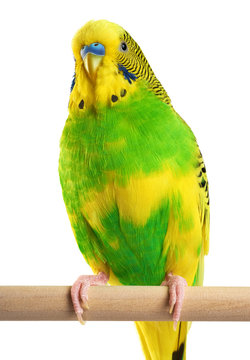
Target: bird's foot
[
  {"x": 79, "y": 292},
  {"x": 176, "y": 287}
]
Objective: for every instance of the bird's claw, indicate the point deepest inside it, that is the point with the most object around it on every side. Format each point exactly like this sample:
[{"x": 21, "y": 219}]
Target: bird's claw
[
  {"x": 171, "y": 308},
  {"x": 79, "y": 292},
  {"x": 176, "y": 287},
  {"x": 85, "y": 305},
  {"x": 80, "y": 318}
]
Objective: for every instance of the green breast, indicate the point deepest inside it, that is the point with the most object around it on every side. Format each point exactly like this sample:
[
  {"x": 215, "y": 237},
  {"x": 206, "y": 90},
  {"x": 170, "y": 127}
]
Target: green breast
[{"x": 138, "y": 136}]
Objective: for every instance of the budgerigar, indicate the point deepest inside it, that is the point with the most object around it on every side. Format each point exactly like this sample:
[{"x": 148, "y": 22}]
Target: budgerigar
[{"x": 133, "y": 181}]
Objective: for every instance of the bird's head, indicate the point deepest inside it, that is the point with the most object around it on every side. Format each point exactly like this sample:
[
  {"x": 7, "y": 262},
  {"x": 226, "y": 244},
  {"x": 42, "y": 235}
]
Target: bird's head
[{"x": 109, "y": 64}]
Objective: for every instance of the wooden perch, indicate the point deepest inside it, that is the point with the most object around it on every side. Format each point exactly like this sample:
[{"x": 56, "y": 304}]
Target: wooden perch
[{"x": 119, "y": 303}]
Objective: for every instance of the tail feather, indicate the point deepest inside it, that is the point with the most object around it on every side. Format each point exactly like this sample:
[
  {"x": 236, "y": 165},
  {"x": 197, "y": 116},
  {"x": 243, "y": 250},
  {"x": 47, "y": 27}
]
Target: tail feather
[{"x": 161, "y": 342}]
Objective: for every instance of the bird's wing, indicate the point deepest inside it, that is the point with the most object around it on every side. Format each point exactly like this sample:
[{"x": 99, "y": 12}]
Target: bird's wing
[
  {"x": 88, "y": 242},
  {"x": 205, "y": 206},
  {"x": 204, "y": 209}
]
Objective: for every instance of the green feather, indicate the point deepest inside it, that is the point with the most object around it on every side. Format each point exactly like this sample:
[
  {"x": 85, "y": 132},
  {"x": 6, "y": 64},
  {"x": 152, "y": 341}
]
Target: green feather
[{"x": 114, "y": 143}]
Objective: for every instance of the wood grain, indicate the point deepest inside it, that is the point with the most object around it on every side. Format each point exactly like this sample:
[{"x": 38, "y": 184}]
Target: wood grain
[{"x": 120, "y": 303}]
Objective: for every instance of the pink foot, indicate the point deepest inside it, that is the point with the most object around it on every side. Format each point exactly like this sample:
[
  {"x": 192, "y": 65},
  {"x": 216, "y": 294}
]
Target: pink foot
[
  {"x": 79, "y": 292},
  {"x": 176, "y": 286}
]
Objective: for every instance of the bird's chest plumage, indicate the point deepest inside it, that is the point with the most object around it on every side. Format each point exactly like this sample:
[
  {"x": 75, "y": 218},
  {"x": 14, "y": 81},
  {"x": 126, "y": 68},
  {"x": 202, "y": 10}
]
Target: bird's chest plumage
[
  {"x": 119, "y": 173},
  {"x": 127, "y": 217}
]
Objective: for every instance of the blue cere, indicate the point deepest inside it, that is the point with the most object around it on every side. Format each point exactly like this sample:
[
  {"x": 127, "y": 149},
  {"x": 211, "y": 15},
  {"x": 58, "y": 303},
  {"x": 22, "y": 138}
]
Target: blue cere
[{"x": 95, "y": 48}]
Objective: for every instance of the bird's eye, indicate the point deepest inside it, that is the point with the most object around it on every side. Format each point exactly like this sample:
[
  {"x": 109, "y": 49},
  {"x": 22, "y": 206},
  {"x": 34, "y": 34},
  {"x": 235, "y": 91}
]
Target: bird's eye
[{"x": 123, "y": 47}]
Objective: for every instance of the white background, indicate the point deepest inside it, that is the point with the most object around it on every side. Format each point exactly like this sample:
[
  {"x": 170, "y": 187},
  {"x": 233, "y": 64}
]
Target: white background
[{"x": 200, "y": 52}]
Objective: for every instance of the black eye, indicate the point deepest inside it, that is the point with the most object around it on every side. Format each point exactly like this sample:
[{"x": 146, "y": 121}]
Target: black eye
[{"x": 124, "y": 46}]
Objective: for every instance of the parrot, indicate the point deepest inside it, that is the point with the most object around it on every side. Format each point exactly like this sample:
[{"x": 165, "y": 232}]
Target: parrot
[{"x": 133, "y": 181}]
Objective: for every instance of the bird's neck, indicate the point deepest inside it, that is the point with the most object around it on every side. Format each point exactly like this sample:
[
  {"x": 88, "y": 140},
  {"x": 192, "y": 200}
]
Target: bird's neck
[
  {"x": 111, "y": 88},
  {"x": 108, "y": 89}
]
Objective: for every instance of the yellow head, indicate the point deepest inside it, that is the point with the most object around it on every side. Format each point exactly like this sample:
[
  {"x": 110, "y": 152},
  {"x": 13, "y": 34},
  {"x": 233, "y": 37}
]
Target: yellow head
[{"x": 109, "y": 66}]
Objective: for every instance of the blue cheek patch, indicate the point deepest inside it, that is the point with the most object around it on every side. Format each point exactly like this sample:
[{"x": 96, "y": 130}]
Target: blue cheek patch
[
  {"x": 73, "y": 82},
  {"x": 127, "y": 75}
]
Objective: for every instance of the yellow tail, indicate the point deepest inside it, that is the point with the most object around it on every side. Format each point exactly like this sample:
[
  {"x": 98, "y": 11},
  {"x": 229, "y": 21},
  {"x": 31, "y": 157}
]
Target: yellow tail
[{"x": 161, "y": 342}]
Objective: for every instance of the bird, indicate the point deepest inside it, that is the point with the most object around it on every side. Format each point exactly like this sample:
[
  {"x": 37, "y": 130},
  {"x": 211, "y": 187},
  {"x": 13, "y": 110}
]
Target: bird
[{"x": 133, "y": 181}]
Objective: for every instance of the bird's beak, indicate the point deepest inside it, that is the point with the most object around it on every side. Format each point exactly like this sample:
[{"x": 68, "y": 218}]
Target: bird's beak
[{"x": 92, "y": 56}]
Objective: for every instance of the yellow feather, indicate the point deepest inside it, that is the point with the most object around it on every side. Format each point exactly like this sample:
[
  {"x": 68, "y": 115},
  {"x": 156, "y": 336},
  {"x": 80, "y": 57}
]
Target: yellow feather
[{"x": 107, "y": 82}]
